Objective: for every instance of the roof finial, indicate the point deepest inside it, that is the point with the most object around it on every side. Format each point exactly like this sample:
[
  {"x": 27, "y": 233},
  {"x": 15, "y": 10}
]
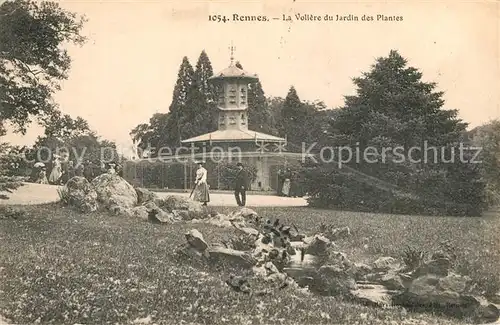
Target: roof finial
[{"x": 232, "y": 48}]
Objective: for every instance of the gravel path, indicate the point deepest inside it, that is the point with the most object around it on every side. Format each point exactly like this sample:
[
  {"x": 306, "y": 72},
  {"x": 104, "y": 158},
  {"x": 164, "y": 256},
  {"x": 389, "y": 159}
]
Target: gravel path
[{"x": 32, "y": 193}]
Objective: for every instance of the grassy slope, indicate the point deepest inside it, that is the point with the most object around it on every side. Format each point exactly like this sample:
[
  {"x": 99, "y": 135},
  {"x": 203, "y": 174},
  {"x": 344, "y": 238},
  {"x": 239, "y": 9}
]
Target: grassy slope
[{"x": 61, "y": 267}]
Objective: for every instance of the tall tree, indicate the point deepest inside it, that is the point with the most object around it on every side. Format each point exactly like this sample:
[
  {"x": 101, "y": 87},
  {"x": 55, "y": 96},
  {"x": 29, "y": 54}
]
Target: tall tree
[
  {"x": 394, "y": 108},
  {"x": 259, "y": 115},
  {"x": 179, "y": 111}
]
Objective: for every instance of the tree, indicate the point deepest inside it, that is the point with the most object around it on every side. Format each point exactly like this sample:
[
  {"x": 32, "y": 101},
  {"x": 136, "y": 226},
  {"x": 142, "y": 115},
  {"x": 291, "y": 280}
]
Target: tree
[
  {"x": 32, "y": 62},
  {"x": 394, "y": 108},
  {"x": 259, "y": 115},
  {"x": 178, "y": 109},
  {"x": 487, "y": 137},
  {"x": 201, "y": 99}
]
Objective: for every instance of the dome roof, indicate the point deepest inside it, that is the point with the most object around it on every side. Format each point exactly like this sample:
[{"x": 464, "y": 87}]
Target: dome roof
[{"x": 233, "y": 72}]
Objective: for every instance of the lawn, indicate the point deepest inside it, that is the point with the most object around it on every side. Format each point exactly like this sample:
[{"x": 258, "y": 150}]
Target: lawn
[{"x": 61, "y": 267}]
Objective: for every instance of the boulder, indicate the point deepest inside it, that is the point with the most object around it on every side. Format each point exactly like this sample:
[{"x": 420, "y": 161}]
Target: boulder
[
  {"x": 454, "y": 282},
  {"x": 144, "y": 195},
  {"x": 80, "y": 194},
  {"x": 361, "y": 270},
  {"x": 231, "y": 257},
  {"x": 334, "y": 280},
  {"x": 372, "y": 295},
  {"x": 339, "y": 233},
  {"x": 245, "y": 213},
  {"x": 439, "y": 266},
  {"x": 318, "y": 245},
  {"x": 385, "y": 264},
  {"x": 140, "y": 212},
  {"x": 177, "y": 202},
  {"x": 112, "y": 190},
  {"x": 392, "y": 281},
  {"x": 195, "y": 240}
]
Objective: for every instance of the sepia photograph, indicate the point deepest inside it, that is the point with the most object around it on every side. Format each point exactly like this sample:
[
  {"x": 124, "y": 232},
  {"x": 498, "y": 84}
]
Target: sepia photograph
[{"x": 261, "y": 162}]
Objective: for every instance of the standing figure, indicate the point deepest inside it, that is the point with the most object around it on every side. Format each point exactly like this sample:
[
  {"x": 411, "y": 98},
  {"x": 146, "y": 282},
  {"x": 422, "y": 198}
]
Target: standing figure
[
  {"x": 55, "y": 173},
  {"x": 64, "y": 172},
  {"x": 42, "y": 177},
  {"x": 280, "y": 182},
  {"x": 287, "y": 183},
  {"x": 240, "y": 185},
  {"x": 201, "y": 190},
  {"x": 111, "y": 169}
]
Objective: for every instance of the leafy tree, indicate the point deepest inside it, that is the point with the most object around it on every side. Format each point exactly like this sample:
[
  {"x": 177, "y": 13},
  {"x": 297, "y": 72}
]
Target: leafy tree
[
  {"x": 32, "y": 62},
  {"x": 487, "y": 137},
  {"x": 394, "y": 108}
]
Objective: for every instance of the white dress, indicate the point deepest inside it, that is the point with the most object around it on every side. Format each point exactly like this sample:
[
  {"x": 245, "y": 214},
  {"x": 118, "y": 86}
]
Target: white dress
[{"x": 201, "y": 191}]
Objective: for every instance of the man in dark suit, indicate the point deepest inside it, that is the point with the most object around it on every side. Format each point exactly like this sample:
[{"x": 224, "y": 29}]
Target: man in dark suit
[{"x": 240, "y": 185}]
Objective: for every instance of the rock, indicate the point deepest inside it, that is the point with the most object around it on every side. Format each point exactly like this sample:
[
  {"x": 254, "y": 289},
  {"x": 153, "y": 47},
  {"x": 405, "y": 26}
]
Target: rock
[
  {"x": 176, "y": 202},
  {"x": 384, "y": 264},
  {"x": 373, "y": 295},
  {"x": 487, "y": 312},
  {"x": 244, "y": 213},
  {"x": 318, "y": 245},
  {"x": 454, "y": 282},
  {"x": 120, "y": 211},
  {"x": 334, "y": 280},
  {"x": 249, "y": 231},
  {"x": 231, "y": 257},
  {"x": 440, "y": 266},
  {"x": 392, "y": 281},
  {"x": 113, "y": 190},
  {"x": 361, "y": 270},
  {"x": 339, "y": 233},
  {"x": 140, "y": 212},
  {"x": 80, "y": 194},
  {"x": 195, "y": 239},
  {"x": 144, "y": 195}
]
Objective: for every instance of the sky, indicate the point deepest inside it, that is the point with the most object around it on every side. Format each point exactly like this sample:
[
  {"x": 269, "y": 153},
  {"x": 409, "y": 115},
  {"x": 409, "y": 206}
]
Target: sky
[{"x": 127, "y": 69}]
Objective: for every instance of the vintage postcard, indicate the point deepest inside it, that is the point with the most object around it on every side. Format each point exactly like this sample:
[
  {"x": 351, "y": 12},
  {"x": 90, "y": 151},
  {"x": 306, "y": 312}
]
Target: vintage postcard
[{"x": 249, "y": 162}]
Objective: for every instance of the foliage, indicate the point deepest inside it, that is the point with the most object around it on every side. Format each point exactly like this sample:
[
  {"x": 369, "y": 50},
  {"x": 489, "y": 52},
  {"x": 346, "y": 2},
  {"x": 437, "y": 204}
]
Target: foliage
[
  {"x": 227, "y": 174},
  {"x": 32, "y": 60},
  {"x": 393, "y": 108},
  {"x": 63, "y": 195},
  {"x": 260, "y": 117},
  {"x": 487, "y": 137},
  {"x": 413, "y": 258}
]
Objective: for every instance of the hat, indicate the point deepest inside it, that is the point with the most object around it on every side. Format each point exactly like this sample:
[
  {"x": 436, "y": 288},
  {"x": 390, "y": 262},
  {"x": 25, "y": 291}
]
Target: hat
[
  {"x": 199, "y": 162},
  {"x": 239, "y": 164}
]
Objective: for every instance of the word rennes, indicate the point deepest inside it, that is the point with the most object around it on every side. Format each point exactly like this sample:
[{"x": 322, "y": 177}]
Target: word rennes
[{"x": 350, "y": 17}]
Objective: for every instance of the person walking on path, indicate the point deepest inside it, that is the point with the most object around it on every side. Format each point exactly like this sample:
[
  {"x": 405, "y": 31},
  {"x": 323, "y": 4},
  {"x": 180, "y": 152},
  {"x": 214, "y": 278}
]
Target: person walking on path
[
  {"x": 240, "y": 185},
  {"x": 201, "y": 193}
]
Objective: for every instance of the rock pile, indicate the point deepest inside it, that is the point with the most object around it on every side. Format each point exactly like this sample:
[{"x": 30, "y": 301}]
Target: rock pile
[
  {"x": 281, "y": 255},
  {"x": 112, "y": 192}
]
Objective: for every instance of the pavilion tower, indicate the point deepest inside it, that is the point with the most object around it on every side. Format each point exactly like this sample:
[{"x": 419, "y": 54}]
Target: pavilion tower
[{"x": 232, "y": 91}]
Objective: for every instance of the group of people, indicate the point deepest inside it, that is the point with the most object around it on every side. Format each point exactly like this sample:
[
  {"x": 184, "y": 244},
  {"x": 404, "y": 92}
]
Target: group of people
[
  {"x": 201, "y": 189},
  {"x": 289, "y": 183},
  {"x": 63, "y": 170}
]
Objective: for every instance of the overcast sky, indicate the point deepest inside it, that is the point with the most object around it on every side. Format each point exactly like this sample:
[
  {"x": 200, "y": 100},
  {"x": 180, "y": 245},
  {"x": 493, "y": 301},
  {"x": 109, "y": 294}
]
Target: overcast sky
[{"x": 127, "y": 69}]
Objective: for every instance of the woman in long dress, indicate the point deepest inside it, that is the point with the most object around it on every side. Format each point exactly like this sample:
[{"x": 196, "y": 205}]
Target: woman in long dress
[
  {"x": 55, "y": 174},
  {"x": 201, "y": 190},
  {"x": 287, "y": 183}
]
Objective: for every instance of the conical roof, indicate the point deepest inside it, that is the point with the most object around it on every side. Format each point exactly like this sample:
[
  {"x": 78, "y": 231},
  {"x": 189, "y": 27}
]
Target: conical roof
[{"x": 233, "y": 72}]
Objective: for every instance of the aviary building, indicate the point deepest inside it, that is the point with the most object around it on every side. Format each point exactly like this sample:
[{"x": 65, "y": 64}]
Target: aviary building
[{"x": 232, "y": 142}]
